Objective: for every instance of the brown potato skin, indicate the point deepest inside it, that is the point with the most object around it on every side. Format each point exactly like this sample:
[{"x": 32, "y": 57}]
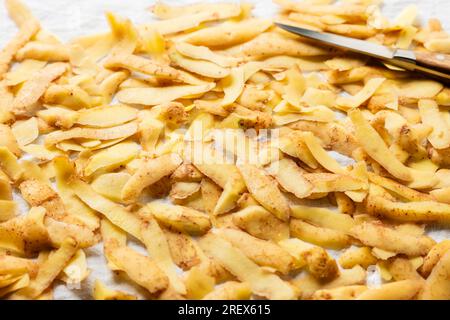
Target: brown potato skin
[
  {"x": 262, "y": 252},
  {"x": 437, "y": 285},
  {"x": 360, "y": 256},
  {"x": 321, "y": 265},
  {"x": 141, "y": 269},
  {"x": 8, "y": 140},
  {"x": 342, "y": 293},
  {"x": 265, "y": 191},
  {"x": 433, "y": 257},
  {"x": 261, "y": 224},
  {"x": 328, "y": 238},
  {"x": 399, "y": 290},
  {"x": 402, "y": 269},
  {"x": 36, "y": 193},
  {"x": 182, "y": 249},
  {"x": 333, "y": 136},
  {"x": 380, "y": 236},
  {"x": 230, "y": 290}
]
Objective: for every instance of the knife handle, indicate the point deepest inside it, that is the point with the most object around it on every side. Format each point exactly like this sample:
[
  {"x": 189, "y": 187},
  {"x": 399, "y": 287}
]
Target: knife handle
[{"x": 433, "y": 60}]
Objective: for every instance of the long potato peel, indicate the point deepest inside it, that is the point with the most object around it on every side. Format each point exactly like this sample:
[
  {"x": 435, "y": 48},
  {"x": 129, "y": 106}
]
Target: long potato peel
[
  {"x": 261, "y": 282},
  {"x": 376, "y": 148},
  {"x": 263, "y": 189},
  {"x": 158, "y": 248},
  {"x": 114, "y": 212},
  {"x": 49, "y": 271}
]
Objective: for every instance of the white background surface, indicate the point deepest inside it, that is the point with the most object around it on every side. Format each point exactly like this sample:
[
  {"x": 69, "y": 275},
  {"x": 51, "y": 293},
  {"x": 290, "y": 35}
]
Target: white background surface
[{"x": 71, "y": 18}]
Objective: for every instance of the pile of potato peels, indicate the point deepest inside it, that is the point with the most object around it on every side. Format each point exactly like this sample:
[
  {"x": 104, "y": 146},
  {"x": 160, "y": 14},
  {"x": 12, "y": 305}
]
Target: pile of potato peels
[{"x": 114, "y": 137}]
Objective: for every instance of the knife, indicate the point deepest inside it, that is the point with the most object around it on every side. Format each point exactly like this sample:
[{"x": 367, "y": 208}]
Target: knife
[{"x": 436, "y": 65}]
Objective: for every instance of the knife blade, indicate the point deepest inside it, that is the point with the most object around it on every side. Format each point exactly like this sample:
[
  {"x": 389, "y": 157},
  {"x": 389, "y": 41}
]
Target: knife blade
[{"x": 432, "y": 64}]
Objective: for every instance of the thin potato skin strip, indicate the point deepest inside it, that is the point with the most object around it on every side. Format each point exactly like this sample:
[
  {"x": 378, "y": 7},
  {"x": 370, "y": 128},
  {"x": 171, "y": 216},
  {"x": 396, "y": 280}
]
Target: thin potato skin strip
[
  {"x": 37, "y": 193},
  {"x": 190, "y": 19},
  {"x": 141, "y": 269},
  {"x": 6, "y": 99},
  {"x": 123, "y": 131},
  {"x": 410, "y": 194},
  {"x": 355, "y": 31},
  {"x": 342, "y": 293},
  {"x": 150, "y": 172},
  {"x": 437, "y": 284},
  {"x": 8, "y": 140},
  {"x": 230, "y": 290},
  {"x": 26, "y": 132},
  {"x": 19, "y": 12},
  {"x": 322, "y": 216},
  {"x": 110, "y": 185},
  {"x": 324, "y": 237},
  {"x": 400, "y": 290},
  {"x": 49, "y": 271},
  {"x": 203, "y": 68},
  {"x": 182, "y": 249},
  {"x": 265, "y": 191},
  {"x": 262, "y": 283},
  {"x": 376, "y": 148},
  {"x": 100, "y": 118},
  {"x": 124, "y": 33},
  {"x": 27, "y": 31},
  {"x": 204, "y": 53},
  {"x": 369, "y": 89},
  {"x": 233, "y": 85},
  {"x": 181, "y": 219},
  {"x": 140, "y": 64},
  {"x": 260, "y": 223},
  {"x": 112, "y": 158},
  {"x": 112, "y": 234},
  {"x": 228, "y": 34},
  {"x": 232, "y": 191},
  {"x": 64, "y": 172},
  {"x": 164, "y": 11},
  {"x": 321, "y": 155},
  {"x": 440, "y": 136},
  {"x": 433, "y": 256},
  {"x": 156, "y": 96},
  {"x": 376, "y": 235},
  {"x": 45, "y": 52},
  {"x": 308, "y": 284},
  {"x": 9, "y": 164},
  {"x": 269, "y": 45},
  {"x": 416, "y": 211},
  {"x": 158, "y": 248},
  {"x": 115, "y": 213},
  {"x": 291, "y": 178},
  {"x": 330, "y": 182},
  {"x": 34, "y": 88},
  {"x": 316, "y": 259},
  {"x": 261, "y": 252},
  {"x": 333, "y": 135},
  {"x": 71, "y": 96},
  {"x": 101, "y": 292}
]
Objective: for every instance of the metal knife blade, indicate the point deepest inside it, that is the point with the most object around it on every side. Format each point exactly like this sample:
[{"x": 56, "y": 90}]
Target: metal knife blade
[
  {"x": 405, "y": 59},
  {"x": 346, "y": 43}
]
